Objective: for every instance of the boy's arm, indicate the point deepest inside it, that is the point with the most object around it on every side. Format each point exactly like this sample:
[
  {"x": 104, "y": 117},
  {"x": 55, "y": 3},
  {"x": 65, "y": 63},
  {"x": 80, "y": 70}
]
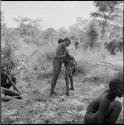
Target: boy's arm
[{"x": 102, "y": 111}]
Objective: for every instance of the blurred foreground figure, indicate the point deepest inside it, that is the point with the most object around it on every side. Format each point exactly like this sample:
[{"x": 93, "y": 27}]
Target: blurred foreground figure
[
  {"x": 8, "y": 80},
  {"x": 5, "y": 80},
  {"x": 105, "y": 109}
]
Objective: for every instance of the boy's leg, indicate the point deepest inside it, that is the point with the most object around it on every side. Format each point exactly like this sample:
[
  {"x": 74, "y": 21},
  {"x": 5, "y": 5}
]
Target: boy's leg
[
  {"x": 67, "y": 79},
  {"x": 56, "y": 70},
  {"x": 71, "y": 82},
  {"x": 113, "y": 112}
]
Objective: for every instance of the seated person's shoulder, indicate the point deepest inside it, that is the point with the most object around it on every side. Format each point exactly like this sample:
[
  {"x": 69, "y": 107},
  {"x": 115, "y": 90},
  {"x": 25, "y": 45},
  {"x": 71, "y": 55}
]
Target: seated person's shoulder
[{"x": 103, "y": 100}]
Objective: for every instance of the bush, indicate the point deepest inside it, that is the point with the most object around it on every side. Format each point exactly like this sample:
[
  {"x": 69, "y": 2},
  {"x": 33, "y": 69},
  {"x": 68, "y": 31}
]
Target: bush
[{"x": 7, "y": 61}]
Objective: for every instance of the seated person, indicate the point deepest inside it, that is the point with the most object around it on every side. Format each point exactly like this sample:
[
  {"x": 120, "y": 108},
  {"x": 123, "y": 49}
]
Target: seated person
[
  {"x": 5, "y": 80},
  {"x": 6, "y": 83},
  {"x": 105, "y": 109}
]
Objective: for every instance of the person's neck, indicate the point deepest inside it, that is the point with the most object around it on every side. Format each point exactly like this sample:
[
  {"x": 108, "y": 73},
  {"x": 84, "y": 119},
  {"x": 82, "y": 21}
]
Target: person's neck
[{"x": 111, "y": 96}]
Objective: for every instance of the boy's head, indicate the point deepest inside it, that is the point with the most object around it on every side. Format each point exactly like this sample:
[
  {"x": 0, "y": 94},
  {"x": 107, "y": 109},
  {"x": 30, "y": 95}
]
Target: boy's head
[
  {"x": 67, "y": 41},
  {"x": 60, "y": 41},
  {"x": 116, "y": 87}
]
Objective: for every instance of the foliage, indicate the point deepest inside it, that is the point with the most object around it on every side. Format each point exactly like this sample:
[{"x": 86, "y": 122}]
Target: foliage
[
  {"x": 30, "y": 30},
  {"x": 106, "y": 11},
  {"x": 50, "y": 35},
  {"x": 63, "y": 32},
  {"x": 9, "y": 44},
  {"x": 92, "y": 34},
  {"x": 7, "y": 61},
  {"x": 27, "y": 25}
]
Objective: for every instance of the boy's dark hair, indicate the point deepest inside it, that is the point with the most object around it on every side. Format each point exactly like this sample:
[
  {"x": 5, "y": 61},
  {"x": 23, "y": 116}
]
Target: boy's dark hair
[
  {"x": 67, "y": 39},
  {"x": 60, "y": 40},
  {"x": 114, "y": 83}
]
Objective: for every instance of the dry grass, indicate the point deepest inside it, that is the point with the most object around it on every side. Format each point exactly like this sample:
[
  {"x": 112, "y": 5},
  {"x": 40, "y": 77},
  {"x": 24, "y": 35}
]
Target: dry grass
[{"x": 36, "y": 107}]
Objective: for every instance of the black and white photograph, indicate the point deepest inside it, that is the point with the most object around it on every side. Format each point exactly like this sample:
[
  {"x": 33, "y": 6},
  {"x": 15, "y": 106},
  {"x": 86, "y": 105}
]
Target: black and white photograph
[{"x": 62, "y": 62}]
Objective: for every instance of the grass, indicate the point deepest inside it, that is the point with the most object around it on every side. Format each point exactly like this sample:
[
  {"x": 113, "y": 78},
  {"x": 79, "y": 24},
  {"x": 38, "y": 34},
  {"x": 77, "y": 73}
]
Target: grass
[
  {"x": 95, "y": 68},
  {"x": 91, "y": 78}
]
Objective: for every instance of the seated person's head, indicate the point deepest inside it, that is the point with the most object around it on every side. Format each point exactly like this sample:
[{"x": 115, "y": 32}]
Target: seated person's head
[
  {"x": 60, "y": 40},
  {"x": 116, "y": 87},
  {"x": 67, "y": 41}
]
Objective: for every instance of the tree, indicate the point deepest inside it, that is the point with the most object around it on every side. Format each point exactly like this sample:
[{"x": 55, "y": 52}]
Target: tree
[
  {"x": 27, "y": 26},
  {"x": 30, "y": 30},
  {"x": 50, "y": 35},
  {"x": 63, "y": 32},
  {"x": 22, "y": 24},
  {"x": 106, "y": 11}
]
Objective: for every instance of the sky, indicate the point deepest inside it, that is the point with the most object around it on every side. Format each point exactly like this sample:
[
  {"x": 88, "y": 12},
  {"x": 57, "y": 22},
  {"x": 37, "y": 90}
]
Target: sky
[{"x": 55, "y": 14}]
